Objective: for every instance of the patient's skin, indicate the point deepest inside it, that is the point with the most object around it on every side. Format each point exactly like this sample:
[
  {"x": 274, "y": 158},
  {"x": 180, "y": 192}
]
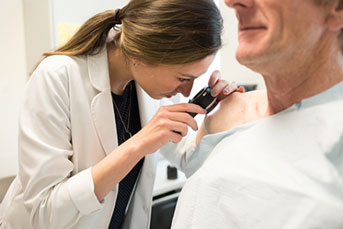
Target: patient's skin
[{"x": 235, "y": 110}]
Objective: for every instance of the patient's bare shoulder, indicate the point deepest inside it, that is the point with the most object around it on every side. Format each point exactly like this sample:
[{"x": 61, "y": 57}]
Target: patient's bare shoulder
[{"x": 235, "y": 110}]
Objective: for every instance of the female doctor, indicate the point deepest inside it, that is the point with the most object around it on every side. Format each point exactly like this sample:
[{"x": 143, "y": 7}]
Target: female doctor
[{"x": 89, "y": 127}]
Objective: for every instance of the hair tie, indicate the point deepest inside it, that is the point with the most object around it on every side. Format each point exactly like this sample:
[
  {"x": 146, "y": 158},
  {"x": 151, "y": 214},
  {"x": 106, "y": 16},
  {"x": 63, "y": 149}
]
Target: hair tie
[{"x": 116, "y": 17}]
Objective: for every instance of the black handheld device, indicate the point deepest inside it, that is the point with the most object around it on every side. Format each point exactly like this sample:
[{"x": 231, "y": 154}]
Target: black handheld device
[{"x": 204, "y": 99}]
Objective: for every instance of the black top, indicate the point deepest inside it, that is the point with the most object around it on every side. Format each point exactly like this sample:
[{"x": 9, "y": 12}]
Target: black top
[{"x": 126, "y": 186}]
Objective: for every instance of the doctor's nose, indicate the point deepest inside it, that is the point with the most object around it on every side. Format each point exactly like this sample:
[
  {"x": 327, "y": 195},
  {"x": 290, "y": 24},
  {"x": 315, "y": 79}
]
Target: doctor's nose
[{"x": 185, "y": 89}]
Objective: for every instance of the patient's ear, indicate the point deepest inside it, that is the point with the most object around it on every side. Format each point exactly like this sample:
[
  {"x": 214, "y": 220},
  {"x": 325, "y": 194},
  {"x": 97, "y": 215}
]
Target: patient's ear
[{"x": 335, "y": 18}]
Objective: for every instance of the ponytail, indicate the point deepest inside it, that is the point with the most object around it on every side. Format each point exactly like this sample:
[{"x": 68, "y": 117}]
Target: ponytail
[{"x": 90, "y": 38}]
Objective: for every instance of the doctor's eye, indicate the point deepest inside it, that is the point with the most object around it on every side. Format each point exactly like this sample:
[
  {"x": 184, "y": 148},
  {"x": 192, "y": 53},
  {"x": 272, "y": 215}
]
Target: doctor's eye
[{"x": 184, "y": 79}]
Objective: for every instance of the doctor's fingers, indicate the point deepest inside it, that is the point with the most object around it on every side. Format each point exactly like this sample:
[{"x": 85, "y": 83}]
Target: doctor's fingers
[
  {"x": 184, "y": 107},
  {"x": 180, "y": 113},
  {"x": 164, "y": 131},
  {"x": 214, "y": 78},
  {"x": 184, "y": 118},
  {"x": 220, "y": 88},
  {"x": 166, "y": 120},
  {"x": 177, "y": 131},
  {"x": 227, "y": 89}
]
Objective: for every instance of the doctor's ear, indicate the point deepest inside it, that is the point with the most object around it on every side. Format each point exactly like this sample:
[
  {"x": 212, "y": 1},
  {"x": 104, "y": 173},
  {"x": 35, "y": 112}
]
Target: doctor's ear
[
  {"x": 135, "y": 62},
  {"x": 335, "y": 19}
]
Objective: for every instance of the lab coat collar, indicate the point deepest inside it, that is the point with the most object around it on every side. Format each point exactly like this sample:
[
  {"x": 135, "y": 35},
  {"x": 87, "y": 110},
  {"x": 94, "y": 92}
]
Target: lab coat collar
[
  {"x": 101, "y": 105},
  {"x": 98, "y": 70}
]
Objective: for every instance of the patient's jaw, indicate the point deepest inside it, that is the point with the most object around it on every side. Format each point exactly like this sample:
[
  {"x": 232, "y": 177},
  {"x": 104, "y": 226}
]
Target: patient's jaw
[{"x": 235, "y": 110}]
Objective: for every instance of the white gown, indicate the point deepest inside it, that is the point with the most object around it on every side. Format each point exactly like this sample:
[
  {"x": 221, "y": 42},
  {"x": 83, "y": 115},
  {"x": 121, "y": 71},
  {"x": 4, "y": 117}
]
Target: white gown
[{"x": 284, "y": 171}]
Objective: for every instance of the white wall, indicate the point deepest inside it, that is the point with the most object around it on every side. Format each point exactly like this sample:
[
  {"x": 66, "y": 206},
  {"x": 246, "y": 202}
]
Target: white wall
[
  {"x": 41, "y": 18},
  {"x": 78, "y": 11},
  {"x": 231, "y": 69},
  {"x": 12, "y": 80},
  {"x": 37, "y": 28}
]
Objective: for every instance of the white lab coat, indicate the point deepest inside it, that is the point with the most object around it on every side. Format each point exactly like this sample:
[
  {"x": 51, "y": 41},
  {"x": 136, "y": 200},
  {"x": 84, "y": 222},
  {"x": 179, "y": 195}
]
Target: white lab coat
[{"x": 67, "y": 125}]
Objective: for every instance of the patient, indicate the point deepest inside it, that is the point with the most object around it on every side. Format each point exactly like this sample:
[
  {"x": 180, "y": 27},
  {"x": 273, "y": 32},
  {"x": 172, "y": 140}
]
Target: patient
[{"x": 276, "y": 158}]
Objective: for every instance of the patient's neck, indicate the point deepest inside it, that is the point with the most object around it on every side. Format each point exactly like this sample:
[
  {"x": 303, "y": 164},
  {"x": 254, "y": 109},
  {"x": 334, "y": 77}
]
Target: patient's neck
[{"x": 290, "y": 86}]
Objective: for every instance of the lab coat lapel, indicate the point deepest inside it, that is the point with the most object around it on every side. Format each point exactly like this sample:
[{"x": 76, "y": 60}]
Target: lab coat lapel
[
  {"x": 101, "y": 106},
  {"x": 147, "y": 105},
  {"x": 147, "y": 109}
]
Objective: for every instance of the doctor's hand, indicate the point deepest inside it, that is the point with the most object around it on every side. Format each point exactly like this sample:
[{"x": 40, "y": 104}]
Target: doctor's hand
[
  {"x": 169, "y": 124},
  {"x": 221, "y": 88}
]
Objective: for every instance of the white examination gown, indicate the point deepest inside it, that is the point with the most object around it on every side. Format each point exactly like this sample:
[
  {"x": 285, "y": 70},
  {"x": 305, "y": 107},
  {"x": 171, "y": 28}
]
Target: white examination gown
[{"x": 284, "y": 171}]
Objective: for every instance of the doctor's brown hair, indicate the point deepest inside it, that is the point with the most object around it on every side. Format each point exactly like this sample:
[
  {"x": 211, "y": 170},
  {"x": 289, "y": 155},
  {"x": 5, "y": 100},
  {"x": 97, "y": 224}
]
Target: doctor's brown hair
[{"x": 153, "y": 31}]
